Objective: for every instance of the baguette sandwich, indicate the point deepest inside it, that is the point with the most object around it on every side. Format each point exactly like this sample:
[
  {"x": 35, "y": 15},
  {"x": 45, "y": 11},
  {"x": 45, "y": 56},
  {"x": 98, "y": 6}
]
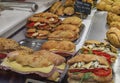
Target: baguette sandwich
[{"x": 86, "y": 68}]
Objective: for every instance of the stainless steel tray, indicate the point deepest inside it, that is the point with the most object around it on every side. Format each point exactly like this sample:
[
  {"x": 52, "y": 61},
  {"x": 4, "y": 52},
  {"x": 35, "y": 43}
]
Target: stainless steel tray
[
  {"x": 36, "y": 43},
  {"x": 98, "y": 32}
]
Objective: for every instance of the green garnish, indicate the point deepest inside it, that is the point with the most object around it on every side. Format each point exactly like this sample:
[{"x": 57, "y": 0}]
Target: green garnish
[
  {"x": 85, "y": 77},
  {"x": 76, "y": 73}
]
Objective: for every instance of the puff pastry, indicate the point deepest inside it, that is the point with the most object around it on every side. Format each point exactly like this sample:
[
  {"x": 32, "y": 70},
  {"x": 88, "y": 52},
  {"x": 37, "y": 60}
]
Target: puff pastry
[{"x": 113, "y": 36}]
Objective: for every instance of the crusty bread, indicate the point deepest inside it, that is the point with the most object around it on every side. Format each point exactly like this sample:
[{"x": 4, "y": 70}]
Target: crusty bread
[
  {"x": 60, "y": 46},
  {"x": 88, "y": 58}
]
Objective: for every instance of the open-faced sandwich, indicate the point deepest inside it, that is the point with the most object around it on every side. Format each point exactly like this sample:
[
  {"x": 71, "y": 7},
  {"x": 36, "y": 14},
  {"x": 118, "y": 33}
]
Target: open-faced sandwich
[
  {"x": 43, "y": 63},
  {"x": 86, "y": 68},
  {"x": 101, "y": 49}
]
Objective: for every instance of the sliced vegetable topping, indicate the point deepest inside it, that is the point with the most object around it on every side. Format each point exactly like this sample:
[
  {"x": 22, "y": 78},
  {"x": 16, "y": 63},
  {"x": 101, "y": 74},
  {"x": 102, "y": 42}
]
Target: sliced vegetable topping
[{"x": 2, "y": 56}]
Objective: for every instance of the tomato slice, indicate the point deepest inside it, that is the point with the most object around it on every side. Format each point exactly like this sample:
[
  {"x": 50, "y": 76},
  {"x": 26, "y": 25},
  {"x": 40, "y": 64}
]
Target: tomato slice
[
  {"x": 30, "y": 24},
  {"x": 81, "y": 70},
  {"x": 96, "y": 71},
  {"x": 2, "y": 56},
  {"x": 100, "y": 53},
  {"x": 102, "y": 72}
]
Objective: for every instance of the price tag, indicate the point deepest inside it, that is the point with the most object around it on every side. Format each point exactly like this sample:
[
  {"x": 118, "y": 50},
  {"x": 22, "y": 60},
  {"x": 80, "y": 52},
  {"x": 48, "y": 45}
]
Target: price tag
[{"x": 82, "y": 7}]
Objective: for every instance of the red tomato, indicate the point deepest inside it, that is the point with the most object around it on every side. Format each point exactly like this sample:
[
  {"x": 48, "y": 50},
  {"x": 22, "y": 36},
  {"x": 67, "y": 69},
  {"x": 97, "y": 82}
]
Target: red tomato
[
  {"x": 102, "y": 72},
  {"x": 2, "y": 56},
  {"x": 30, "y": 24},
  {"x": 96, "y": 71},
  {"x": 81, "y": 70},
  {"x": 100, "y": 53}
]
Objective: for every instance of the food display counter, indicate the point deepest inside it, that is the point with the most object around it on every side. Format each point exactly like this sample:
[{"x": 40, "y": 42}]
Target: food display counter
[{"x": 94, "y": 63}]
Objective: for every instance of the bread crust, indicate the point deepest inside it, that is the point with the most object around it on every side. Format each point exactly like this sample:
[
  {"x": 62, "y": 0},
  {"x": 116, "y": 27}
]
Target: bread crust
[
  {"x": 68, "y": 27},
  {"x": 60, "y": 46},
  {"x": 63, "y": 35},
  {"x": 73, "y": 20},
  {"x": 88, "y": 58}
]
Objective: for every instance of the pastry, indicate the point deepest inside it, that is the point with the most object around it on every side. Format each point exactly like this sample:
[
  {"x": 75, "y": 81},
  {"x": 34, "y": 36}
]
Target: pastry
[
  {"x": 68, "y": 27},
  {"x": 69, "y": 3},
  {"x": 55, "y": 6},
  {"x": 69, "y": 11},
  {"x": 108, "y": 7},
  {"x": 115, "y": 24},
  {"x": 88, "y": 68},
  {"x": 73, "y": 20},
  {"x": 116, "y": 9},
  {"x": 113, "y": 36},
  {"x": 60, "y": 11},
  {"x": 60, "y": 46},
  {"x": 7, "y": 45},
  {"x": 101, "y": 5},
  {"x": 63, "y": 35}
]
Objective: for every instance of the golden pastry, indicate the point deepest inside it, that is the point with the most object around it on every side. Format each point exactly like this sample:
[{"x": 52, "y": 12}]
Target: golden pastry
[
  {"x": 55, "y": 6},
  {"x": 113, "y": 36},
  {"x": 68, "y": 27},
  {"x": 108, "y": 7},
  {"x": 69, "y": 2},
  {"x": 60, "y": 11},
  {"x": 69, "y": 11},
  {"x": 8, "y": 45},
  {"x": 115, "y": 24},
  {"x": 60, "y": 46},
  {"x": 101, "y": 5},
  {"x": 73, "y": 20},
  {"x": 63, "y": 35},
  {"x": 116, "y": 9}
]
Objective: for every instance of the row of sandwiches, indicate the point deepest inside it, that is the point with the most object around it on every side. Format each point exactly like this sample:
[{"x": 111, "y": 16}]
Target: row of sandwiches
[{"x": 91, "y": 64}]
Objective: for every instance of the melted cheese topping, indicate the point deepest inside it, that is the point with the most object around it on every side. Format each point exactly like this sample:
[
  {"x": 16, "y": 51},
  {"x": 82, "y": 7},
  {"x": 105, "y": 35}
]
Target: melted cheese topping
[
  {"x": 62, "y": 66},
  {"x": 18, "y": 67}
]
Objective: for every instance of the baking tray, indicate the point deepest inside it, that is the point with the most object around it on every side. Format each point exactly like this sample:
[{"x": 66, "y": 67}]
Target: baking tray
[{"x": 98, "y": 32}]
